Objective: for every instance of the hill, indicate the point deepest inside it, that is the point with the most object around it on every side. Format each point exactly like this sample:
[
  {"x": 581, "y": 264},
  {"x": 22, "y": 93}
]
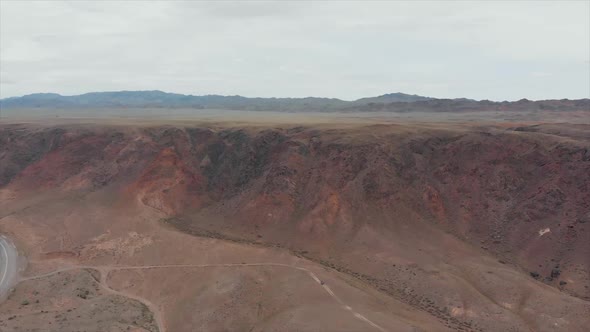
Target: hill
[
  {"x": 159, "y": 99},
  {"x": 392, "y": 98},
  {"x": 394, "y": 102},
  {"x": 410, "y": 226}
]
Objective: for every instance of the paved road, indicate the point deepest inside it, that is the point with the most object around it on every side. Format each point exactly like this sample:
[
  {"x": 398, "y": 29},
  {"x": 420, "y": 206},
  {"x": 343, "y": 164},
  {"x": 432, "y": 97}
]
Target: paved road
[{"x": 8, "y": 266}]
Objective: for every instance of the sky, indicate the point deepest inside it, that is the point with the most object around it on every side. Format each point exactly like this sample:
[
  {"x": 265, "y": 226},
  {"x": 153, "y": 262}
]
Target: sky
[{"x": 497, "y": 50}]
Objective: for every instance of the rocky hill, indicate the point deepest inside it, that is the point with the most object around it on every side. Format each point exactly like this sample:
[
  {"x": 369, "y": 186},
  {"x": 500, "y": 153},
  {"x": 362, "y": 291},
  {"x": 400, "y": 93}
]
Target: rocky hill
[{"x": 419, "y": 212}]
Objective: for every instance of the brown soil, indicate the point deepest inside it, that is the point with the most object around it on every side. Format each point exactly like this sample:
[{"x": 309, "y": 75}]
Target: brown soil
[
  {"x": 72, "y": 301},
  {"x": 414, "y": 226}
]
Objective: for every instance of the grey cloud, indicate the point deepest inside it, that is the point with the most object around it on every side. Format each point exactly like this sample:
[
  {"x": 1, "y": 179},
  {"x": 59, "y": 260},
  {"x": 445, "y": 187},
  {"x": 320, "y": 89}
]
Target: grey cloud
[
  {"x": 248, "y": 9},
  {"x": 492, "y": 50}
]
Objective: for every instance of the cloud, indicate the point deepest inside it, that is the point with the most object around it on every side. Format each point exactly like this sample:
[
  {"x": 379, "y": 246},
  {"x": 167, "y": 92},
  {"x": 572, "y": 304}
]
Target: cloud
[
  {"x": 484, "y": 50},
  {"x": 540, "y": 74}
]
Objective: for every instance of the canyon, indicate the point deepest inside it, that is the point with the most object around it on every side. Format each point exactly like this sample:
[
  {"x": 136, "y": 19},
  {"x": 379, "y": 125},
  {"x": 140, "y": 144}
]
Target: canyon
[{"x": 299, "y": 223}]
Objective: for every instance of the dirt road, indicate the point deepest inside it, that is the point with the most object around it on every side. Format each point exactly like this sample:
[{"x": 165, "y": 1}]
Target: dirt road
[{"x": 105, "y": 269}]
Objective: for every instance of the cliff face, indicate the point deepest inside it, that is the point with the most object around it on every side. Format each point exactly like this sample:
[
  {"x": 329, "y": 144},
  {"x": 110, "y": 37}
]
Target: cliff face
[{"x": 520, "y": 193}]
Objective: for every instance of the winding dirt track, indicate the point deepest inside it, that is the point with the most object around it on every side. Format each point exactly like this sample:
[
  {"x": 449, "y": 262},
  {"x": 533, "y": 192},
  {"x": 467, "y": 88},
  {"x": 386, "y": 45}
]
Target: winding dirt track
[{"x": 158, "y": 317}]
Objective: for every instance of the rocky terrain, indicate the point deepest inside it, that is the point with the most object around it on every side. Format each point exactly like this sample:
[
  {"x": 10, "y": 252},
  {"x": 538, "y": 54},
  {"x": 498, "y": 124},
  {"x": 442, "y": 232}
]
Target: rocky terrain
[
  {"x": 73, "y": 301},
  {"x": 424, "y": 226}
]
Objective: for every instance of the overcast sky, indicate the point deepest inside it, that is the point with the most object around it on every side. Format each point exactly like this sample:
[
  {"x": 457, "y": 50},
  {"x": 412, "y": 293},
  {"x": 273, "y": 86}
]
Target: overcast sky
[{"x": 496, "y": 50}]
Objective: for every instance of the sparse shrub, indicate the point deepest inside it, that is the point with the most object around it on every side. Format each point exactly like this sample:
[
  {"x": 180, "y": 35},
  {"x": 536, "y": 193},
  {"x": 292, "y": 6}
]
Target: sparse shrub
[{"x": 83, "y": 293}]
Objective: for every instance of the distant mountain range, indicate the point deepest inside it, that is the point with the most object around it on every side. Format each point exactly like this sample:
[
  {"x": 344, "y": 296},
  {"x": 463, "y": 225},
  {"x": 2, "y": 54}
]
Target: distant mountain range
[{"x": 393, "y": 102}]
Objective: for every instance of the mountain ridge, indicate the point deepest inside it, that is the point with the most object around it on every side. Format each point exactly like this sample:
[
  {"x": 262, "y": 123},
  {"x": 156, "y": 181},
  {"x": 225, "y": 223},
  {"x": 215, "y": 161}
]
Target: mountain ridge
[{"x": 391, "y": 102}]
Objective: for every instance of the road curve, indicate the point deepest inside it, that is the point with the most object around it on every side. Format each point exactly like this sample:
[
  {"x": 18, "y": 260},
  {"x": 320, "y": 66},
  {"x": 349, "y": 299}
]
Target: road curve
[{"x": 8, "y": 266}]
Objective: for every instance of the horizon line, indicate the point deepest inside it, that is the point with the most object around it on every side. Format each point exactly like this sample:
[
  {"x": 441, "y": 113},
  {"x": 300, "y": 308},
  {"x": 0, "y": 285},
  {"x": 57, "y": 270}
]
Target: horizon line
[{"x": 307, "y": 97}]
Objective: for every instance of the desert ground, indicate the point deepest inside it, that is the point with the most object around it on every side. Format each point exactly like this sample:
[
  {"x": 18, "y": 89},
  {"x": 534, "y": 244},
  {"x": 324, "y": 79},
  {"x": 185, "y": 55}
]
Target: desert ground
[{"x": 243, "y": 221}]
